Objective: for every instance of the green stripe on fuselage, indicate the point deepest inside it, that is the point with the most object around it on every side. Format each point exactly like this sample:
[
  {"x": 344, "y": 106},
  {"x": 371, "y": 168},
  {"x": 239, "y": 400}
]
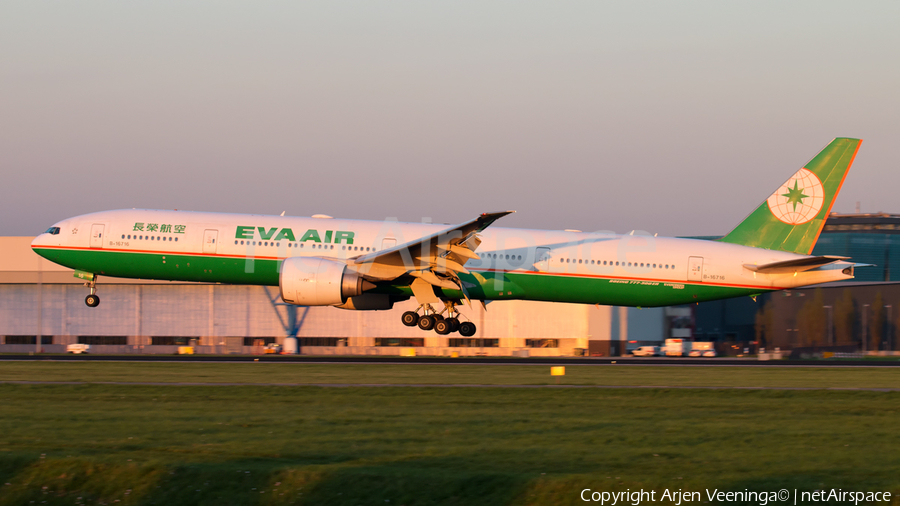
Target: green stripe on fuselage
[
  {"x": 175, "y": 267},
  {"x": 482, "y": 285},
  {"x": 589, "y": 289}
]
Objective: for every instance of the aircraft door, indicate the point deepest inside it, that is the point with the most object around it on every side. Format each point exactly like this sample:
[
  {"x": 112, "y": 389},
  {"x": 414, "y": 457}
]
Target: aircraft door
[
  {"x": 695, "y": 269},
  {"x": 542, "y": 259},
  {"x": 388, "y": 243},
  {"x": 209, "y": 241},
  {"x": 96, "y": 235}
]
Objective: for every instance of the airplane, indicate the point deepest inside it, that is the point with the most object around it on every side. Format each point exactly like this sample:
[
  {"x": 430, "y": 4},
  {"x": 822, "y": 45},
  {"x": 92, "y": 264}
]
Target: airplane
[{"x": 371, "y": 265}]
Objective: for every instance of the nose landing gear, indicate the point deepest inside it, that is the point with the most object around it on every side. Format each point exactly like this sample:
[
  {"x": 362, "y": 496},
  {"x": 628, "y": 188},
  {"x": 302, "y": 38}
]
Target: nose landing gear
[{"x": 92, "y": 300}]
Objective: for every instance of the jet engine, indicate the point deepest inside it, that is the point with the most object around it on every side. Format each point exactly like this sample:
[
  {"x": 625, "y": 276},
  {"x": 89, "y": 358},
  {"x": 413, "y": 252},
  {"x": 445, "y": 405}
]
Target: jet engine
[{"x": 317, "y": 281}]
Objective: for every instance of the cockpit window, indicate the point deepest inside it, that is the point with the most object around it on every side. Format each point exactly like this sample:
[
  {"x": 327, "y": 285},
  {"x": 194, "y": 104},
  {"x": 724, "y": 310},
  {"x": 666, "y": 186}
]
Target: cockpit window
[{"x": 52, "y": 230}]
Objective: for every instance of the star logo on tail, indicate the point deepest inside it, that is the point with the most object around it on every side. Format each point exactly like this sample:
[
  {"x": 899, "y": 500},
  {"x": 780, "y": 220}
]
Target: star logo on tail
[
  {"x": 799, "y": 199},
  {"x": 795, "y": 196}
]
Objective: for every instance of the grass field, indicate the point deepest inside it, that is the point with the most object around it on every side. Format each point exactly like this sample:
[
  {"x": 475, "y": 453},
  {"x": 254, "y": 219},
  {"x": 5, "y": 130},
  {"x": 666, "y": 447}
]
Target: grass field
[
  {"x": 299, "y": 373},
  {"x": 269, "y": 445}
]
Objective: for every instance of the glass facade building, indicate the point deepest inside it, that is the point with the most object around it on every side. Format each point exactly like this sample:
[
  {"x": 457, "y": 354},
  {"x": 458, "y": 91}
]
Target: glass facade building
[{"x": 865, "y": 238}]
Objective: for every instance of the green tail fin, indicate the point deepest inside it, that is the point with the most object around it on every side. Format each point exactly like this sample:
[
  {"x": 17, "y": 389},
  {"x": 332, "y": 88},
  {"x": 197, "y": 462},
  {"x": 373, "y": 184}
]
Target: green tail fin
[{"x": 792, "y": 218}]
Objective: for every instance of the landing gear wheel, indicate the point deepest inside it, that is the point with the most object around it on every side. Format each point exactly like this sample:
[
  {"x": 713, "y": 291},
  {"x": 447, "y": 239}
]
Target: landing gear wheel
[
  {"x": 454, "y": 324},
  {"x": 92, "y": 300},
  {"x": 438, "y": 317},
  {"x": 426, "y": 322},
  {"x": 442, "y": 327},
  {"x": 410, "y": 318},
  {"x": 467, "y": 329}
]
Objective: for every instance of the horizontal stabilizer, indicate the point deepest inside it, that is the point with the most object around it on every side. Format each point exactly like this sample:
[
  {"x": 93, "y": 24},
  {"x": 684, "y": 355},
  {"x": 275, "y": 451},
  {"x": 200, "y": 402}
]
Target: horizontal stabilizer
[{"x": 798, "y": 265}]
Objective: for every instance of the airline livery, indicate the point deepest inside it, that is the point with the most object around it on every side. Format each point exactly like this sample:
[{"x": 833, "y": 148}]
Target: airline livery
[{"x": 370, "y": 265}]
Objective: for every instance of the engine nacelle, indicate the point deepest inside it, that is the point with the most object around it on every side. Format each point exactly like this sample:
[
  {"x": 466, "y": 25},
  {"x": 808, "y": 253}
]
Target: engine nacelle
[{"x": 317, "y": 281}]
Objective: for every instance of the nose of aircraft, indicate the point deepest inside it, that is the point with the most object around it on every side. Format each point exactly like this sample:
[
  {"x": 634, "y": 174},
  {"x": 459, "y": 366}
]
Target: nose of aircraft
[
  {"x": 48, "y": 238},
  {"x": 37, "y": 243}
]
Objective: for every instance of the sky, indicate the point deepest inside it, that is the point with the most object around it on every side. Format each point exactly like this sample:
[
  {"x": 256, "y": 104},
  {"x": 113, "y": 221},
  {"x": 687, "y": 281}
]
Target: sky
[{"x": 675, "y": 118}]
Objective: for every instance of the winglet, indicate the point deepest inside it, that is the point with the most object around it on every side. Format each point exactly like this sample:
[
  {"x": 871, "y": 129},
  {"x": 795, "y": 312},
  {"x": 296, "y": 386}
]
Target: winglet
[{"x": 485, "y": 220}]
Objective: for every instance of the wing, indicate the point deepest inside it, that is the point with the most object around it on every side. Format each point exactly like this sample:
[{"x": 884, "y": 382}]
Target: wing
[{"x": 436, "y": 258}]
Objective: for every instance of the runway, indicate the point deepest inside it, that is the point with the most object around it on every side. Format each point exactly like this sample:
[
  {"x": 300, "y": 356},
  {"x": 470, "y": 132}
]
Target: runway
[{"x": 564, "y": 361}]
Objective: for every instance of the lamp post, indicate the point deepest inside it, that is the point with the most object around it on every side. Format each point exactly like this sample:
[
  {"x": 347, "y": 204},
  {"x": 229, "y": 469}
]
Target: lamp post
[
  {"x": 830, "y": 332},
  {"x": 865, "y": 327},
  {"x": 889, "y": 331}
]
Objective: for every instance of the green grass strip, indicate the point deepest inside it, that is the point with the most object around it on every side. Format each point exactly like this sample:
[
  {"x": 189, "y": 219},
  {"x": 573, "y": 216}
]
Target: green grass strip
[{"x": 300, "y": 373}]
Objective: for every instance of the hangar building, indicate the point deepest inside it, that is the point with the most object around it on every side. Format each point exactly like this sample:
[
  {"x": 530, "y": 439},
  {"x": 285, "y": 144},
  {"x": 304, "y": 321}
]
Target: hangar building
[{"x": 38, "y": 297}]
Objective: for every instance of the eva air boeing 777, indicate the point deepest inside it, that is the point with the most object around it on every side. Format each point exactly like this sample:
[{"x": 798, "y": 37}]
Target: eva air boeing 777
[{"x": 370, "y": 265}]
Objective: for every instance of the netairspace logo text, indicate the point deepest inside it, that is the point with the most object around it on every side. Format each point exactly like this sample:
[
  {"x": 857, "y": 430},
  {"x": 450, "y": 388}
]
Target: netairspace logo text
[{"x": 763, "y": 498}]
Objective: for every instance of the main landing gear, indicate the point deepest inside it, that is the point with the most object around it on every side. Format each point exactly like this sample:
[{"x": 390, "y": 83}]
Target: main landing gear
[
  {"x": 431, "y": 319},
  {"x": 92, "y": 300}
]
